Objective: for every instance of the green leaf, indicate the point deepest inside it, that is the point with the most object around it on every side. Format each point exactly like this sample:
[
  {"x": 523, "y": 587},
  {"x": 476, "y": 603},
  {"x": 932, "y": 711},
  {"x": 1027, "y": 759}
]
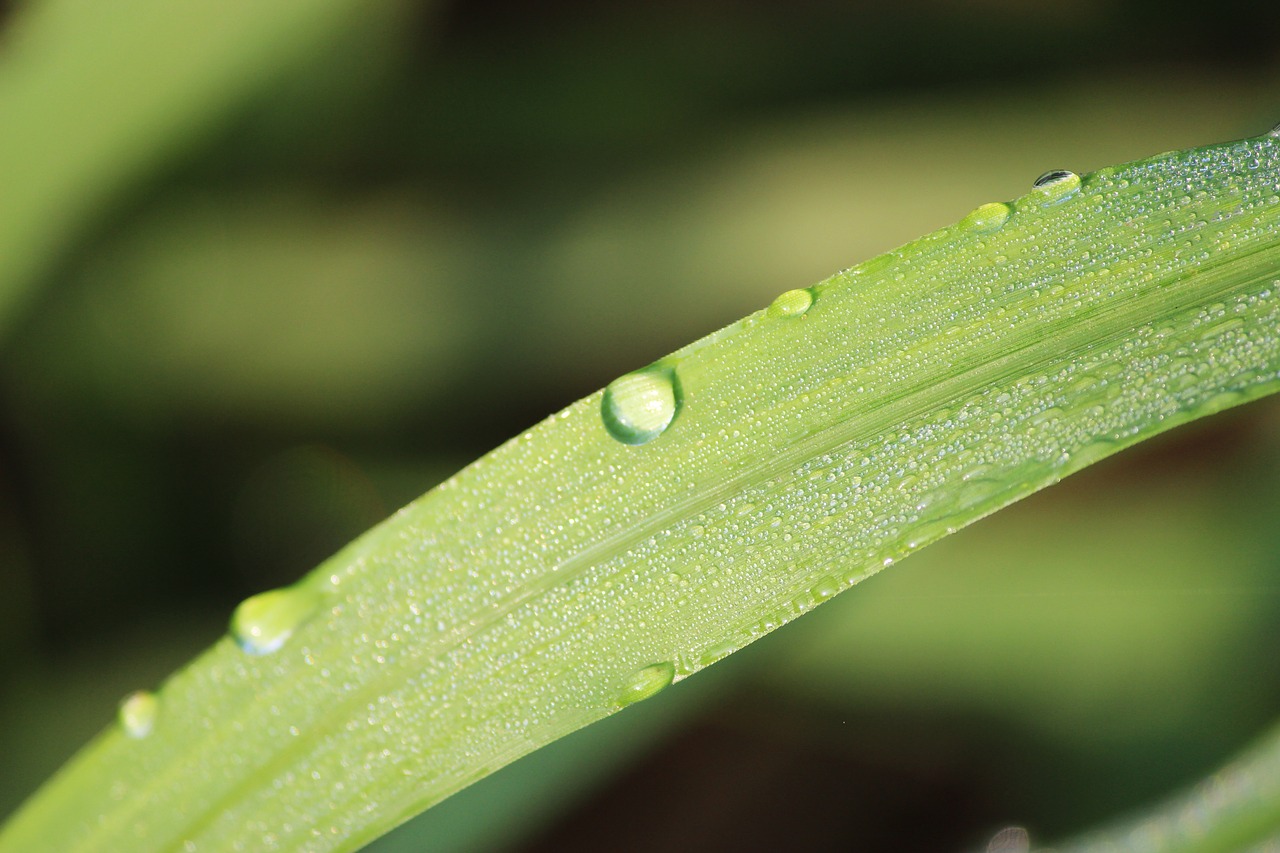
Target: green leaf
[
  {"x": 651, "y": 529},
  {"x": 1235, "y": 809}
]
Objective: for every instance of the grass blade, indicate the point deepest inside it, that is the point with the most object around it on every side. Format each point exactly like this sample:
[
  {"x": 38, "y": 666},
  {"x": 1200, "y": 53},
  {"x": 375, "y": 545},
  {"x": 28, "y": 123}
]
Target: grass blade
[
  {"x": 651, "y": 529},
  {"x": 1233, "y": 810}
]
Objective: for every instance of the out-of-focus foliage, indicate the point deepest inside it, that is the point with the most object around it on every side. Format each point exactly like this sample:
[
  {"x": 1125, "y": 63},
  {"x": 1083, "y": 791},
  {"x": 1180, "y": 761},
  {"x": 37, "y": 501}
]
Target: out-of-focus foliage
[
  {"x": 94, "y": 96},
  {"x": 289, "y": 279}
]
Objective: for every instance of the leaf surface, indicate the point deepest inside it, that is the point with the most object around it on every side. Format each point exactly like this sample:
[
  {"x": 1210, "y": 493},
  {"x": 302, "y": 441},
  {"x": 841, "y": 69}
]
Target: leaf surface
[{"x": 649, "y": 530}]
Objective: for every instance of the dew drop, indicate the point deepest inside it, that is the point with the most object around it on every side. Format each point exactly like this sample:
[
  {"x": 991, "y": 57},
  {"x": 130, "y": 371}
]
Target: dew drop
[
  {"x": 1052, "y": 176},
  {"x": 639, "y": 406},
  {"x": 825, "y": 588},
  {"x": 647, "y": 681},
  {"x": 137, "y": 713},
  {"x": 793, "y": 303},
  {"x": 719, "y": 651},
  {"x": 1089, "y": 454},
  {"x": 262, "y": 623},
  {"x": 1055, "y": 186},
  {"x": 1013, "y": 839},
  {"x": 988, "y": 217},
  {"x": 877, "y": 264}
]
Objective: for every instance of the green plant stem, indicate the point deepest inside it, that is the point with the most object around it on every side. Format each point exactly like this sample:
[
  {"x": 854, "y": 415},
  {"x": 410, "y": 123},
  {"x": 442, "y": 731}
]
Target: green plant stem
[{"x": 642, "y": 534}]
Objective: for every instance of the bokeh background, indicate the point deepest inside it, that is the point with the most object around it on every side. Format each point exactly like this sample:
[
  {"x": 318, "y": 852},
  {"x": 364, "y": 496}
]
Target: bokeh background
[{"x": 268, "y": 273}]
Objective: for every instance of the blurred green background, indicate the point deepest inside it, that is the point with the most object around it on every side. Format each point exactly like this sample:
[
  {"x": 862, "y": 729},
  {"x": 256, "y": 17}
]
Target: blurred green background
[{"x": 270, "y": 270}]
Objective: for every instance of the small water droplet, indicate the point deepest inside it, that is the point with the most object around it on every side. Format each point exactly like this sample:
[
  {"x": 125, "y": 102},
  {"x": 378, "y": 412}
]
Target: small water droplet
[
  {"x": 825, "y": 588},
  {"x": 792, "y": 303},
  {"x": 989, "y": 217},
  {"x": 719, "y": 651},
  {"x": 647, "y": 681},
  {"x": 1055, "y": 186},
  {"x": 1013, "y": 839},
  {"x": 877, "y": 264},
  {"x": 262, "y": 623},
  {"x": 137, "y": 713},
  {"x": 1218, "y": 402},
  {"x": 639, "y": 406},
  {"x": 1095, "y": 451}
]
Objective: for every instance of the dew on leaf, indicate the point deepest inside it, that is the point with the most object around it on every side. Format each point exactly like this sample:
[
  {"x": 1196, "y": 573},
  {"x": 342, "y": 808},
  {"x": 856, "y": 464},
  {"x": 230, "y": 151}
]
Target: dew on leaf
[
  {"x": 1055, "y": 186},
  {"x": 988, "y": 217},
  {"x": 1013, "y": 839},
  {"x": 137, "y": 713},
  {"x": 638, "y": 407},
  {"x": 824, "y": 588},
  {"x": 262, "y": 623},
  {"x": 792, "y": 303},
  {"x": 647, "y": 681}
]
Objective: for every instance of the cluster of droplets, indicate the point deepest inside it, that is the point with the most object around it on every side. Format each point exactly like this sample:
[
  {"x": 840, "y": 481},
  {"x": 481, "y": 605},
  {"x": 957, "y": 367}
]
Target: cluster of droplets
[
  {"x": 1045, "y": 436},
  {"x": 640, "y": 406},
  {"x": 1053, "y": 187}
]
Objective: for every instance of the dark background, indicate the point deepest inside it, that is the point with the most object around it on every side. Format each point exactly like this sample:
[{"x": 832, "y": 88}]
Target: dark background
[{"x": 450, "y": 221}]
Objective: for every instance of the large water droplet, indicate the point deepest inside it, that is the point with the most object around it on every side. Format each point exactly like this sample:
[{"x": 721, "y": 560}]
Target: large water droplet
[
  {"x": 793, "y": 303},
  {"x": 261, "y": 624},
  {"x": 639, "y": 406},
  {"x": 647, "y": 681},
  {"x": 1055, "y": 185},
  {"x": 989, "y": 217},
  {"x": 1052, "y": 177},
  {"x": 137, "y": 713}
]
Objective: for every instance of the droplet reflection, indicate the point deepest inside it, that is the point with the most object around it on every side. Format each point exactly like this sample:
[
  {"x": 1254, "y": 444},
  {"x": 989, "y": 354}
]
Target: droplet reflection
[{"x": 638, "y": 407}]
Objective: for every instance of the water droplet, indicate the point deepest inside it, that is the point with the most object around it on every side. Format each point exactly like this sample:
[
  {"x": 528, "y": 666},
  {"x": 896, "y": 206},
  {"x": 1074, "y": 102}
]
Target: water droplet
[
  {"x": 825, "y": 588},
  {"x": 989, "y": 217},
  {"x": 137, "y": 713},
  {"x": 261, "y": 624},
  {"x": 1052, "y": 176},
  {"x": 1013, "y": 839},
  {"x": 648, "y": 681},
  {"x": 719, "y": 651},
  {"x": 639, "y": 406},
  {"x": 1218, "y": 402},
  {"x": 1055, "y": 186},
  {"x": 1095, "y": 451},
  {"x": 793, "y": 303},
  {"x": 876, "y": 264}
]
